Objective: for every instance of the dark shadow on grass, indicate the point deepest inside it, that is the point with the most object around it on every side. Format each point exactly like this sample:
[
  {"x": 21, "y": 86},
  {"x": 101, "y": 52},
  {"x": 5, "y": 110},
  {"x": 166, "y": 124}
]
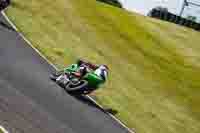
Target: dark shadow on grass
[
  {"x": 7, "y": 26},
  {"x": 19, "y": 5},
  {"x": 84, "y": 99}
]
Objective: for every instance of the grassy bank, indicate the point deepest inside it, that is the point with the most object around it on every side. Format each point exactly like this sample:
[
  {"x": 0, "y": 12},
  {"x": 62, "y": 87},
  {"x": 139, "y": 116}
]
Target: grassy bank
[{"x": 154, "y": 80}]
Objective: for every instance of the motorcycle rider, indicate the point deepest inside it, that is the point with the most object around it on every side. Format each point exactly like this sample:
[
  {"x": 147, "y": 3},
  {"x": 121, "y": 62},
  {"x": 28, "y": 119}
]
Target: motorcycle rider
[
  {"x": 102, "y": 71},
  {"x": 99, "y": 70}
]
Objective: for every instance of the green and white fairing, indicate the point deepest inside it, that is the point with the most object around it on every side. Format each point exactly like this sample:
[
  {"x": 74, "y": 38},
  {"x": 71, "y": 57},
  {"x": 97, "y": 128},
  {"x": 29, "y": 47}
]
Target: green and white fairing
[{"x": 94, "y": 81}]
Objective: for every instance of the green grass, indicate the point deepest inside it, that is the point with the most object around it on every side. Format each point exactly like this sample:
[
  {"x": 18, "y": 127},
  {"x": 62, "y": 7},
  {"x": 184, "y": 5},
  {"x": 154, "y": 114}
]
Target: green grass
[{"x": 155, "y": 66}]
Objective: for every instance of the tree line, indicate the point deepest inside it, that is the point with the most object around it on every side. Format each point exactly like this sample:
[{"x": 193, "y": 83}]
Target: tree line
[{"x": 164, "y": 14}]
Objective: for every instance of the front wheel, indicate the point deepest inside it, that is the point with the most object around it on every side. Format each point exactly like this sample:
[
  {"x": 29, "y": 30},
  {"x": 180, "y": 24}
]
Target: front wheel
[
  {"x": 55, "y": 75},
  {"x": 78, "y": 87}
]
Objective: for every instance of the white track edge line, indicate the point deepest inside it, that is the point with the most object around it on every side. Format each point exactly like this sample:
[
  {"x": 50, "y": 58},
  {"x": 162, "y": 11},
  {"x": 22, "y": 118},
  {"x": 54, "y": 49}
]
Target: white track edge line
[
  {"x": 3, "y": 129},
  {"x": 30, "y": 44}
]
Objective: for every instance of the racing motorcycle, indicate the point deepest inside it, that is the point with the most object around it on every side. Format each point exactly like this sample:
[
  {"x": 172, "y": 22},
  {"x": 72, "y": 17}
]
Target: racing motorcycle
[{"x": 73, "y": 82}]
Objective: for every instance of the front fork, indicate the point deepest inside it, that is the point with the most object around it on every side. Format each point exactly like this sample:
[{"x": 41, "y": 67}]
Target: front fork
[{"x": 62, "y": 79}]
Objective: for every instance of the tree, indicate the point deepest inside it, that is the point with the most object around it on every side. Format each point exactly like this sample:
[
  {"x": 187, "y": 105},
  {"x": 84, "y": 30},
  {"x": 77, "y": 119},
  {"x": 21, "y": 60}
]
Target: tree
[
  {"x": 192, "y": 18},
  {"x": 156, "y": 9},
  {"x": 112, "y": 2},
  {"x": 160, "y": 8}
]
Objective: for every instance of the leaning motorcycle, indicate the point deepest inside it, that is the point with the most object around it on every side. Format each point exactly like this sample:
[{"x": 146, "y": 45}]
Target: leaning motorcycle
[{"x": 73, "y": 82}]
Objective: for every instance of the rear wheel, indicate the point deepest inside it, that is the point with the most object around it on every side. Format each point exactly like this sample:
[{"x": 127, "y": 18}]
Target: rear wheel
[{"x": 78, "y": 87}]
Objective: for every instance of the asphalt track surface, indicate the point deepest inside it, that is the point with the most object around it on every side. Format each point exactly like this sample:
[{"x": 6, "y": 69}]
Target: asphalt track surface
[{"x": 31, "y": 103}]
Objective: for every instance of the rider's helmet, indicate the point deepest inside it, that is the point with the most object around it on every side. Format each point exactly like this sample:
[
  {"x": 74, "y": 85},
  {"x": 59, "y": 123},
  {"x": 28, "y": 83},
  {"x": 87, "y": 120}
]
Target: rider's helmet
[{"x": 105, "y": 67}]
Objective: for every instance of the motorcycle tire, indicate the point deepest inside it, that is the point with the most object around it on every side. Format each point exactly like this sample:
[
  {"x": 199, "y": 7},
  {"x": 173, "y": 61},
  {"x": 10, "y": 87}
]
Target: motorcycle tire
[
  {"x": 55, "y": 75},
  {"x": 77, "y": 88}
]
